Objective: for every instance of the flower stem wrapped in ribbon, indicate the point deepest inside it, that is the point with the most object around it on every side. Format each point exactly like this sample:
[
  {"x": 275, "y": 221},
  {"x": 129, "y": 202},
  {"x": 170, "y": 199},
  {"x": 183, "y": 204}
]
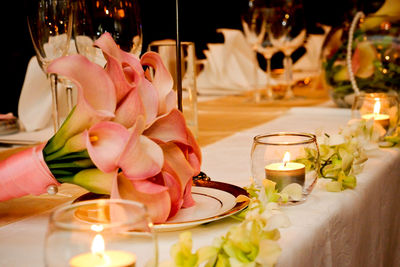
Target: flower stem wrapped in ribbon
[{"x": 124, "y": 137}]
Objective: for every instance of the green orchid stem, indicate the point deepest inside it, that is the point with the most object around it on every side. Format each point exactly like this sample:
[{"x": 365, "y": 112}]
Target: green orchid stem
[
  {"x": 66, "y": 179},
  {"x": 326, "y": 163},
  {"x": 59, "y": 138},
  {"x": 81, "y": 164},
  {"x": 61, "y": 173},
  {"x": 81, "y": 155},
  {"x": 58, "y": 154}
]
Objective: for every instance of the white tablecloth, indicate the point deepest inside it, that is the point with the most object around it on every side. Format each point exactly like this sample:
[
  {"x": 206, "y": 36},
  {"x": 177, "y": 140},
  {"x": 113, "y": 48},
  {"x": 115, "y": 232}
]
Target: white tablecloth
[{"x": 359, "y": 227}]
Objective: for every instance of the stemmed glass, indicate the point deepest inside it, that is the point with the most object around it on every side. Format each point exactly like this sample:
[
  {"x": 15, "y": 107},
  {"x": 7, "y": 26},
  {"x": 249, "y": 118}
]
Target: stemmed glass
[
  {"x": 50, "y": 27},
  {"x": 287, "y": 33},
  {"x": 118, "y": 17},
  {"x": 256, "y": 23}
]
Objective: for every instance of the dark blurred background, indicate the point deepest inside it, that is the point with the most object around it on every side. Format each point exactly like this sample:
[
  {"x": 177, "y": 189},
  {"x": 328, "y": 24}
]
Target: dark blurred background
[{"x": 198, "y": 23}]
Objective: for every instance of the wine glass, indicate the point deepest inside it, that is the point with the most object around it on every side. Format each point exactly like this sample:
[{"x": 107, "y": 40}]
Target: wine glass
[
  {"x": 287, "y": 33},
  {"x": 118, "y": 17},
  {"x": 50, "y": 28},
  {"x": 101, "y": 232},
  {"x": 256, "y": 23}
]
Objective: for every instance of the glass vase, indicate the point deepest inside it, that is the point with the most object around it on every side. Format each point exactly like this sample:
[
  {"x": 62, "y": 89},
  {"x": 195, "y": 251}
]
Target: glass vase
[{"x": 375, "y": 58}]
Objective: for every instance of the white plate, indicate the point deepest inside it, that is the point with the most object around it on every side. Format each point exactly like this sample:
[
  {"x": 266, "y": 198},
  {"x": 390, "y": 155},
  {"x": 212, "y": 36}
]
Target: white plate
[{"x": 214, "y": 201}]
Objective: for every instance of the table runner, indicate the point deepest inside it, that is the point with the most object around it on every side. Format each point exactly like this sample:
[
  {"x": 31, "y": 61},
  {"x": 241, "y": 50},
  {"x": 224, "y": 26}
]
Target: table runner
[
  {"x": 218, "y": 118},
  {"x": 359, "y": 227}
]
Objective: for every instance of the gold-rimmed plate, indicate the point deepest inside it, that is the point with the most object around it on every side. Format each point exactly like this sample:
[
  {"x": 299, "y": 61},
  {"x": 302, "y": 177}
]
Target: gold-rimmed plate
[{"x": 214, "y": 201}]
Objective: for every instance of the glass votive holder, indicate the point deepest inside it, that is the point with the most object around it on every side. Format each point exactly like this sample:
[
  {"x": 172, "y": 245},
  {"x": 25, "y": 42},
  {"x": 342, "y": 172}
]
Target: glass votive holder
[
  {"x": 287, "y": 159},
  {"x": 381, "y": 108},
  {"x": 103, "y": 232}
]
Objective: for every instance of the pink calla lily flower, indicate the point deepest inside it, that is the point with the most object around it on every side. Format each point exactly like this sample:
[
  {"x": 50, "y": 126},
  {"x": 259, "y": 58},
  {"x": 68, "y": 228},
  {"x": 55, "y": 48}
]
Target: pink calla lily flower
[
  {"x": 177, "y": 165},
  {"x": 142, "y": 158},
  {"x": 96, "y": 96},
  {"x": 162, "y": 81},
  {"x": 105, "y": 141},
  {"x": 135, "y": 95},
  {"x": 154, "y": 196},
  {"x": 172, "y": 128}
]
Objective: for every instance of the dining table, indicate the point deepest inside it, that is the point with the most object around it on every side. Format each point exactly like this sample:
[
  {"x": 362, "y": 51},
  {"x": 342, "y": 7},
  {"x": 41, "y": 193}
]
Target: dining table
[{"x": 353, "y": 227}]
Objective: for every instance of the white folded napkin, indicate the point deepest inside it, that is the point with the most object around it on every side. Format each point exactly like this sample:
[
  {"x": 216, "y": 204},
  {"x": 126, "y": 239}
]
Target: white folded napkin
[
  {"x": 35, "y": 103},
  {"x": 311, "y": 60},
  {"x": 230, "y": 65},
  {"x": 34, "y": 107}
]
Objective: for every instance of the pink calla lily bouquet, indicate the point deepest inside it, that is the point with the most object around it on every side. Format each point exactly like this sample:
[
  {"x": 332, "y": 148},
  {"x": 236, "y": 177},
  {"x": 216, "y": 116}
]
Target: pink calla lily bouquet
[{"x": 124, "y": 137}]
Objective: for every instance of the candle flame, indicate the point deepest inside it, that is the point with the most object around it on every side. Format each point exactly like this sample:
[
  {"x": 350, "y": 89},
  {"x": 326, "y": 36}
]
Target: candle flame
[
  {"x": 377, "y": 106},
  {"x": 98, "y": 245},
  {"x": 97, "y": 227},
  {"x": 286, "y": 158}
]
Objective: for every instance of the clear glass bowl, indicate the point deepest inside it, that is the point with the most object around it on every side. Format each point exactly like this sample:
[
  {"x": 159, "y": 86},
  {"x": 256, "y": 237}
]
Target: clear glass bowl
[
  {"x": 286, "y": 158},
  {"x": 381, "y": 108},
  {"x": 103, "y": 232}
]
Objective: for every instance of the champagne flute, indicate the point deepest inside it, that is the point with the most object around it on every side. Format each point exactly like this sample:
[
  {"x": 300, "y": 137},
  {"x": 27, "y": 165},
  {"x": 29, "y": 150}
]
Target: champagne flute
[
  {"x": 250, "y": 33},
  {"x": 119, "y": 18},
  {"x": 287, "y": 33},
  {"x": 256, "y": 23},
  {"x": 50, "y": 28}
]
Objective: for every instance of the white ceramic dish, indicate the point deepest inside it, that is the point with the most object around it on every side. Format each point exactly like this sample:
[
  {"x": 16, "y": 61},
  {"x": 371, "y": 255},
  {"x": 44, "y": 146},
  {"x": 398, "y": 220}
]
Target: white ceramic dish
[{"x": 214, "y": 201}]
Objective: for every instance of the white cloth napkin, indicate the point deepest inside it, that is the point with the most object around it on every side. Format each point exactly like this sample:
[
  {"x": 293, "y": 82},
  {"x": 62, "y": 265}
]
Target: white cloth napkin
[
  {"x": 310, "y": 62},
  {"x": 34, "y": 107},
  {"x": 35, "y": 103},
  {"x": 230, "y": 65}
]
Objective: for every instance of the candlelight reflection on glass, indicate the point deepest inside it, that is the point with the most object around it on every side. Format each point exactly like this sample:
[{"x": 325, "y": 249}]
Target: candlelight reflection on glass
[
  {"x": 286, "y": 159},
  {"x": 104, "y": 232},
  {"x": 381, "y": 108}
]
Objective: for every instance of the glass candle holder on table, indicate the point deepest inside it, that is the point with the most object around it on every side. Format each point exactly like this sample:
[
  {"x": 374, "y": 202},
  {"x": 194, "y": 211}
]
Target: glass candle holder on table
[
  {"x": 289, "y": 160},
  {"x": 381, "y": 108},
  {"x": 103, "y": 232}
]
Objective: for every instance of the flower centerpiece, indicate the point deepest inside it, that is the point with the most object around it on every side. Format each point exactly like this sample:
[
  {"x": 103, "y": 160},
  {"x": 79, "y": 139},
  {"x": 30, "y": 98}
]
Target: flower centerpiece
[
  {"x": 125, "y": 137},
  {"x": 375, "y": 59}
]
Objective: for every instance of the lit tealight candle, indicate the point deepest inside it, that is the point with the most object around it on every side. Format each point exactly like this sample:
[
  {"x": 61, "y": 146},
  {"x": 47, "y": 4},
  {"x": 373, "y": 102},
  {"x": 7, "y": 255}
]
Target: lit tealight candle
[
  {"x": 285, "y": 172},
  {"x": 99, "y": 257},
  {"x": 382, "y": 119}
]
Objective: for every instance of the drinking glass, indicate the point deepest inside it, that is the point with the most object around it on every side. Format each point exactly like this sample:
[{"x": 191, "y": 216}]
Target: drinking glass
[
  {"x": 287, "y": 33},
  {"x": 50, "y": 28},
  {"x": 249, "y": 31},
  {"x": 167, "y": 51},
  {"x": 256, "y": 23},
  {"x": 118, "y": 17},
  {"x": 102, "y": 232},
  {"x": 287, "y": 159}
]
